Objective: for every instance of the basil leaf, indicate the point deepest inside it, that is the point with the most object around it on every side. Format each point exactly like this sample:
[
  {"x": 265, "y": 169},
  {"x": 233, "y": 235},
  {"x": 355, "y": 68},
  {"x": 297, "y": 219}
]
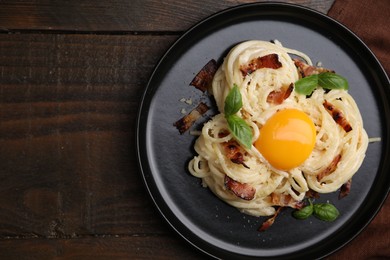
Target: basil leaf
[
  {"x": 330, "y": 80},
  {"x": 233, "y": 101},
  {"x": 306, "y": 85},
  {"x": 240, "y": 130},
  {"x": 304, "y": 213},
  {"x": 326, "y": 80},
  {"x": 325, "y": 211}
]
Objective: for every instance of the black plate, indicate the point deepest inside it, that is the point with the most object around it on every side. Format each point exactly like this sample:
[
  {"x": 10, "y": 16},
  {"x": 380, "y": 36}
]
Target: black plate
[{"x": 194, "y": 212}]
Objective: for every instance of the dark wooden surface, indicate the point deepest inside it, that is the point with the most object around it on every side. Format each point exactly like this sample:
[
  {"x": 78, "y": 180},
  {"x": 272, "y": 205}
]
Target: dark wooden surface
[{"x": 71, "y": 77}]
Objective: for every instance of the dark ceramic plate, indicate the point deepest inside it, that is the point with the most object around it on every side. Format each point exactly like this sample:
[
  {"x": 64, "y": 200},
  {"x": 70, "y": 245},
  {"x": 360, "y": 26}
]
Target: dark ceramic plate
[{"x": 194, "y": 212}]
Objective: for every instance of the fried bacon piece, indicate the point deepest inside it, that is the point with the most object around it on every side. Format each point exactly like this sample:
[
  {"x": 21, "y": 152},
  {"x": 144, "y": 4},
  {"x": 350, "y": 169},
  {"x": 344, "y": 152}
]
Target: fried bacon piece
[
  {"x": 234, "y": 152},
  {"x": 241, "y": 190},
  {"x": 268, "y": 223},
  {"x": 282, "y": 200},
  {"x": 337, "y": 116},
  {"x": 270, "y": 61},
  {"x": 184, "y": 123},
  {"x": 331, "y": 168},
  {"x": 312, "y": 194},
  {"x": 203, "y": 79},
  {"x": 278, "y": 96},
  {"x": 306, "y": 70},
  {"x": 285, "y": 200},
  {"x": 223, "y": 134},
  {"x": 345, "y": 189}
]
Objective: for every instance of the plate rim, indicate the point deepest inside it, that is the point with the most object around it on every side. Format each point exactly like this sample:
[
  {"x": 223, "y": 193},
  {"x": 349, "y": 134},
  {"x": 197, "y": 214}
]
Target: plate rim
[{"x": 147, "y": 175}]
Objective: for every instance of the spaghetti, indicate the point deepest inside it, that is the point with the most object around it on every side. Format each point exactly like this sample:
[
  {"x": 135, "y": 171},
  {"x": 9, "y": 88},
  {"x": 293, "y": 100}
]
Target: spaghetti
[{"x": 335, "y": 158}]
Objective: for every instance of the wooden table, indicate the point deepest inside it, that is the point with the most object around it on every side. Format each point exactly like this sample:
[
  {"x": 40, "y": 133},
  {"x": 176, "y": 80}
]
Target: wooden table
[{"x": 71, "y": 77}]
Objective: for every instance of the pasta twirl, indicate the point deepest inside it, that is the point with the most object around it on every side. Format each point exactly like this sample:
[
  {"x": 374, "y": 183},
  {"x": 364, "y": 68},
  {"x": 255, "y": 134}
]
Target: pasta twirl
[{"x": 273, "y": 186}]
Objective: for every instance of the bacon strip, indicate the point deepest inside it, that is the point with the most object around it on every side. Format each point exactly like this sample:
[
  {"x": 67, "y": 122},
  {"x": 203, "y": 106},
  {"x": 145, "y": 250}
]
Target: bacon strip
[
  {"x": 345, "y": 189},
  {"x": 234, "y": 152},
  {"x": 184, "y": 123},
  {"x": 268, "y": 223},
  {"x": 331, "y": 168},
  {"x": 278, "y": 96},
  {"x": 306, "y": 70},
  {"x": 312, "y": 194},
  {"x": 337, "y": 116},
  {"x": 203, "y": 79},
  {"x": 241, "y": 190},
  {"x": 285, "y": 200},
  {"x": 223, "y": 134},
  {"x": 270, "y": 61}
]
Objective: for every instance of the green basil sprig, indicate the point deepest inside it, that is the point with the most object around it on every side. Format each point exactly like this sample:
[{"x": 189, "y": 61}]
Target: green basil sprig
[
  {"x": 326, "y": 80},
  {"x": 233, "y": 101},
  {"x": 305, "y": 212},
  {"x": 237, "y": 126},
  {"x": 323, "y": 211}
]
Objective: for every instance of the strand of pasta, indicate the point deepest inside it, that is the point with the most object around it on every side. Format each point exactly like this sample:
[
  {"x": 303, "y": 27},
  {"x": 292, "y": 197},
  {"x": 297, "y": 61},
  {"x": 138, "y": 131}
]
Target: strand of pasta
[{"x": 211, "y": 163}]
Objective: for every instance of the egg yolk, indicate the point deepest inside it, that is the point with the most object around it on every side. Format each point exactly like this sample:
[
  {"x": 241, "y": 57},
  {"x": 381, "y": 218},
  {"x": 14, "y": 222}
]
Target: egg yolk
[{"x": 287, "y": 139}]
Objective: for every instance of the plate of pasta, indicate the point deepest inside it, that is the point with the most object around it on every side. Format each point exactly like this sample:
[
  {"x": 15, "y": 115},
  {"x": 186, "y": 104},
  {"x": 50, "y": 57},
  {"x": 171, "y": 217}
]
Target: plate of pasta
[{"x": 264, "y": 132}]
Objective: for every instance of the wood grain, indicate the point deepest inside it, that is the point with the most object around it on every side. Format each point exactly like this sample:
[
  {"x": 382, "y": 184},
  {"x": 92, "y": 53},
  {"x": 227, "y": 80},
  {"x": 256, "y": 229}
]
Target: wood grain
[
  {"x": 118, "y": 16},
  {"x": 68, "y": 108},
  {"x": 71, "y": 77},
  {"x": 99, "y": 247}
]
